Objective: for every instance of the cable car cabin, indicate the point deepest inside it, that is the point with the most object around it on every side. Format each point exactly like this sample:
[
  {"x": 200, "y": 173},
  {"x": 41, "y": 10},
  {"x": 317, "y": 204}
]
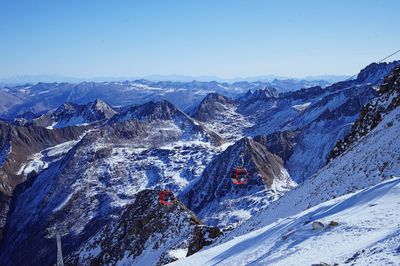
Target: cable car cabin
[
  {"x": 239, "y": 176},
  {"x": 167, "y": 197}
]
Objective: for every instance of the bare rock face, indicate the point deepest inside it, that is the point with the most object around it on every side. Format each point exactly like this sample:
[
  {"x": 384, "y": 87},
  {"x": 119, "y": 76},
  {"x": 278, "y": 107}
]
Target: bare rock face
[
  {"x": 204, "y": 236},
  {"x": 146, "y": 233},
  {"x": 387, "y": 100},
  {"x": 279, "y": 143}
]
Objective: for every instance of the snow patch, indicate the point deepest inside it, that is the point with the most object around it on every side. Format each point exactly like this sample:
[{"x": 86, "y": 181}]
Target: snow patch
[{"x": 301, "y": 107}]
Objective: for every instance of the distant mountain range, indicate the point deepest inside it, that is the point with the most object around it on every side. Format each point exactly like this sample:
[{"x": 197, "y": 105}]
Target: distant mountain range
[
  {"x": 40, "y": 97},
  {"x": 33, "y": 79}
]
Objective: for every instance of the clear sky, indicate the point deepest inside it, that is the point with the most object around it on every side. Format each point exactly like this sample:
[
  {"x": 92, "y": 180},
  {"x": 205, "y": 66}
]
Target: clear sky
[{"x": 228, "y": 38}]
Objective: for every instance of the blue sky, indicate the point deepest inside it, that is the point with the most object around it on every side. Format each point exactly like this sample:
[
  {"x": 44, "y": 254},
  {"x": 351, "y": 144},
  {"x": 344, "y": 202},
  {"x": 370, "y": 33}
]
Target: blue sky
[{"x": 220, "y": 38}]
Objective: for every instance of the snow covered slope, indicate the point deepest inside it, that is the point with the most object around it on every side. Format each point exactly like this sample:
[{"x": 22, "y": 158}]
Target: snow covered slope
[
  {"x": 367, "y": 233},
  {"x": 21, "y": 154}
]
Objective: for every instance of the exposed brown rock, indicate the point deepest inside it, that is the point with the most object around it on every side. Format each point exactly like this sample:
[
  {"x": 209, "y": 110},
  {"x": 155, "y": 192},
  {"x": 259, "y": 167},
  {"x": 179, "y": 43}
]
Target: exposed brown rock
[{"x": 203, "y": 236}]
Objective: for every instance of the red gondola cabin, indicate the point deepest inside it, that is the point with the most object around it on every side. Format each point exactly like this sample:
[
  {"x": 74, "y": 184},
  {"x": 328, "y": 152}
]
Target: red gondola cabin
[
  {"x": 239, "y": 176},
  {"x": 167, "y": 197}
]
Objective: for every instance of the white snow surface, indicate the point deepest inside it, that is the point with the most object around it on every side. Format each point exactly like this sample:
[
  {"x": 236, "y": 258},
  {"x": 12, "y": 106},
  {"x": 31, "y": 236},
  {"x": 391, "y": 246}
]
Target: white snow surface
[
  {"x": 301, "y": 107},
  {"x": 368, "y": 233}
]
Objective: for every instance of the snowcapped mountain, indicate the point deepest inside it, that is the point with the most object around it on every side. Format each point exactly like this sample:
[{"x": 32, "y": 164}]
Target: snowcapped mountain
[
  {"x": 172, "y": 123},
  {"x": 69, "y": 114},
  {"x": 373, "y": 112},
  {"x": 220, "y": 114},
  {"x": 375, "y": 71},
  {"x": 211, "y": 106}
]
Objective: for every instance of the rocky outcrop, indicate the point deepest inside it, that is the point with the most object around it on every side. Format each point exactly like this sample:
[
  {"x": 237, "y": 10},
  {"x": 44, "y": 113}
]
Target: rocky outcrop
[
  {"x": 372, "y": 113},
  {"x": 203, "y": 236},
  {"x": 143, "y": 229},
  {"x": 279, "y": 143}
]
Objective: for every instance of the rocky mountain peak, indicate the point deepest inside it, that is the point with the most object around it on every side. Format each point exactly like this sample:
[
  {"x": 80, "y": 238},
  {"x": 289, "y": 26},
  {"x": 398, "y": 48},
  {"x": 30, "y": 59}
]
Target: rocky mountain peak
[
  {"x": 375, "y": 71},
  {"x": 71, "y": 114},
  {"x": 266, "y": 93},
  {"x": 211, "y": 106},
  {"x": 102, "y": 108}
]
